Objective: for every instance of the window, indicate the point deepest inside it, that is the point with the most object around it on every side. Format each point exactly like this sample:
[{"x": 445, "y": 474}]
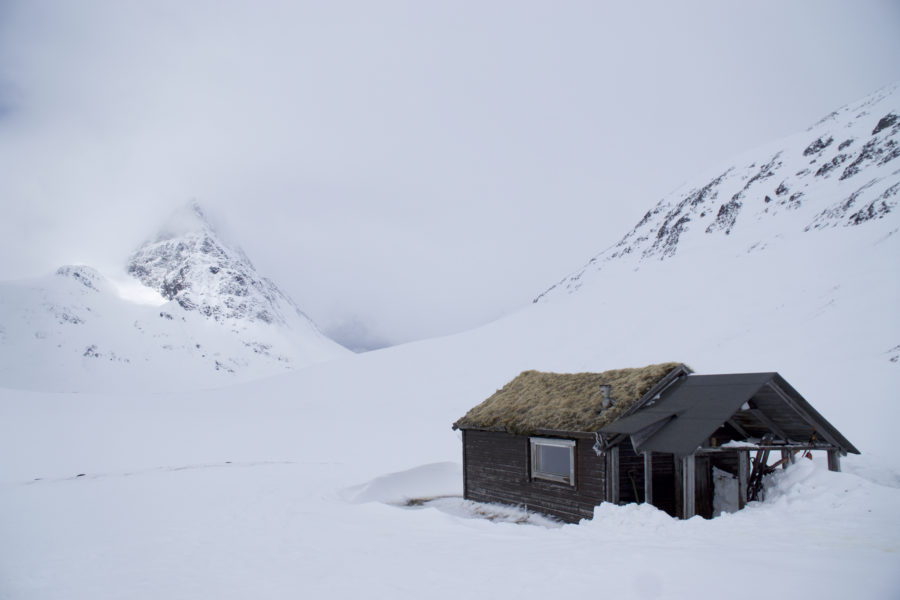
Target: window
[{"x": 553, "y": 459}]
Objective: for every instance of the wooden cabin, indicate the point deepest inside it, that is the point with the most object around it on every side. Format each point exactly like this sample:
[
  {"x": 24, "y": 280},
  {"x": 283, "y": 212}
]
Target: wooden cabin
[{"x": 560, "y": 444}]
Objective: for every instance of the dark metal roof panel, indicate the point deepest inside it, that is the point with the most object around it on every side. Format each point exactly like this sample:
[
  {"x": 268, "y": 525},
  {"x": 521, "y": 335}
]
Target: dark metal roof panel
[
  {"x": 700, "y": 404},
  {"x": 640, "y": 420}
]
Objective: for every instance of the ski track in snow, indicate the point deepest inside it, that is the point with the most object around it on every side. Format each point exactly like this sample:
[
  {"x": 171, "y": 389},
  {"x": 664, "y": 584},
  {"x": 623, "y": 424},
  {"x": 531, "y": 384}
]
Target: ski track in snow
[{"x": 169, "y": 469}]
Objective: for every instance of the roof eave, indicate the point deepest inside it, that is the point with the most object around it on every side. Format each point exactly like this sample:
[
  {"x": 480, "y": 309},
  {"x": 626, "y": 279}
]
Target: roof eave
[{"x": 545, "y": 432}]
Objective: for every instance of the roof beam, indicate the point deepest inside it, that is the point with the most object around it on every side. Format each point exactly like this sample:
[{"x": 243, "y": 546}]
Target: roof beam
[
  {"x": 809, "y": 420},
  {"x": 738, "y": 428},
  {"x": 767, "y": 422},
  {"x": 764, "y": 446}
]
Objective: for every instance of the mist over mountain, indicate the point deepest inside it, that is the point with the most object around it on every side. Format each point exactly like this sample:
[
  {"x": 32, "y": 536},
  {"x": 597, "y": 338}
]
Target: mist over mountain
[
  {"x": 401, "y": 157},
  {"x": 204, "y": 317},
  {"x": 187, "y": 263}
]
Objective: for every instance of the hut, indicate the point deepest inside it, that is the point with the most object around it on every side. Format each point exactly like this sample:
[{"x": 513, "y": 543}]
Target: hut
[{"x": 560, "y": 444}]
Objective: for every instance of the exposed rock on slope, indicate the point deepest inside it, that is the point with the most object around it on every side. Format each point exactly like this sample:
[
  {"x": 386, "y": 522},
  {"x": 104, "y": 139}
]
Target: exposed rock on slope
[
  {"x": 216, "y": 321},
  {"x": 841, "y": 172},
  {"x": 189, "y": 264}
]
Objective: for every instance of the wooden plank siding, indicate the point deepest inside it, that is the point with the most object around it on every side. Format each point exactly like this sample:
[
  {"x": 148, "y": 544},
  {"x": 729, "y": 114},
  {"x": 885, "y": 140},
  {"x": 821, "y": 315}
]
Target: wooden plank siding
[
  {"x": 703, "y": 487},
  {"x": 631, "y": 474},
  {"x": 664, "y": 482},
  {"x": 497, "y": 469}
]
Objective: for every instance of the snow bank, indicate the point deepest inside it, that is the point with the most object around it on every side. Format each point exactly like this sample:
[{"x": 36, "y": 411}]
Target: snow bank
[{"x": 420, "y": 483}]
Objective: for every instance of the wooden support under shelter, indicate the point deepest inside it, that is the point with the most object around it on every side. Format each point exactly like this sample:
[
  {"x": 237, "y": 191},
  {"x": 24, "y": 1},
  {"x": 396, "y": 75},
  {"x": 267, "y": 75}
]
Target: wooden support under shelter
[
  {"x": 688, "y": 487},
  {"x": 787, "y": 457},
  {"x": 834, "y": 460},
  {"x": 678, "y": 480},
  {"x": 743, "y": 477},
  {"x": 648, "y": 477},
  {"x": 612, "y": 475}
]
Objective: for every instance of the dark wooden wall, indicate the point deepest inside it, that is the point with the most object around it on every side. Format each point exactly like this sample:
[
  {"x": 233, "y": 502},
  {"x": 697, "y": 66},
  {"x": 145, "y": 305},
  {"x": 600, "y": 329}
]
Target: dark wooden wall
[
  {"x": 496, "y": 469},
  {"x": 664, "y": 483},
  {"x": 704, "y": 489},
  {"x": 631, "y": 474}
]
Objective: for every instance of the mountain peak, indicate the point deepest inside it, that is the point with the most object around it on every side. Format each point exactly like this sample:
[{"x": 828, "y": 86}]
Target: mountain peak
[
  {"x": 187, "y": 220},
  {"x": 189, "y": 263},
  {"x": 842, "y": 172}
]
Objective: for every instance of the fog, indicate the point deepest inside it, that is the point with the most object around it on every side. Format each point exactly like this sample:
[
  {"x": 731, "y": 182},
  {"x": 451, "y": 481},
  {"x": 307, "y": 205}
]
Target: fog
[{"x": 401, "y": 169}]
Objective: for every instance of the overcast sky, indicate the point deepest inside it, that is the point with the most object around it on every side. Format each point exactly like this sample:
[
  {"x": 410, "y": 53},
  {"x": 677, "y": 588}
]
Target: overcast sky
[{"x": 402, "y": 169}]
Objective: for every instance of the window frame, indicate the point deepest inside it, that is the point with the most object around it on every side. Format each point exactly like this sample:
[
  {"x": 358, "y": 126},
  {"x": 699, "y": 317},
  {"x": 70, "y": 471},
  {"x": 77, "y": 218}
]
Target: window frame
[{"x": 536, "y": 473}]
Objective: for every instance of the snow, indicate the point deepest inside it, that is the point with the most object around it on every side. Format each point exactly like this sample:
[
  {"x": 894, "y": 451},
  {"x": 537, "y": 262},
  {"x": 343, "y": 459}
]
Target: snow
[
  {"x": 342, "y": 479},
  {"x": 739, "y": 444},
  {"x": 223, "y": 495},
  {"x": 295, "y": 485},
  {"x": 132, "y": 290},
  {"x": 725, "y": 492},
  {"x": 841, "y": 172},
  {"x": 419, "y": 483},
  {"x": 78, "y": 330}
]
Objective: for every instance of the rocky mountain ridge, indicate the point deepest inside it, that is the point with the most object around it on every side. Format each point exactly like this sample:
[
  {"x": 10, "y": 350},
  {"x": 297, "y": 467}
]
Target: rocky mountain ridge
[{"x": 842, "y": 172}]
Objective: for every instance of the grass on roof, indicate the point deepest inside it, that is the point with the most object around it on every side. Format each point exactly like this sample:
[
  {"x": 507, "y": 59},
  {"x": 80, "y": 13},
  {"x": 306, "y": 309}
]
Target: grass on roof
[{"x": 563, "y": 401}]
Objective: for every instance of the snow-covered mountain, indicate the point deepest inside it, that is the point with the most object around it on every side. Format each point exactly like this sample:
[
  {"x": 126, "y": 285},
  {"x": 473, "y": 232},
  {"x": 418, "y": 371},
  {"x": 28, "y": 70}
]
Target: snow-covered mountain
[
  {"x": 282, "y": 486},
  {"x": 841, "y": 172},
  {"x": 189, "y": 264},
  {"x": 215, "y": 320}
]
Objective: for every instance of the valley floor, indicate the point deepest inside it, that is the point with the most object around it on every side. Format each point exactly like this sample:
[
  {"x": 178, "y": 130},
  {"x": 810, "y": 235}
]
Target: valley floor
[
  {"x": 172, "y": 497},
  {"x": 296, "y": 486}
]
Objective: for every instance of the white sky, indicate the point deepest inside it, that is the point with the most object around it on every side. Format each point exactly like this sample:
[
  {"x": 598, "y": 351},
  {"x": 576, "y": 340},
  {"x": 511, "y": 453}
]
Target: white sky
[{"x": 402, "y": 169}]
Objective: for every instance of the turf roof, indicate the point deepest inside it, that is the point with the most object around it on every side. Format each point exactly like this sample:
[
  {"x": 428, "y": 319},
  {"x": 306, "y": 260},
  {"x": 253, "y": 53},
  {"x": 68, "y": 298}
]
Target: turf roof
[{"x": 563, "y": 401}]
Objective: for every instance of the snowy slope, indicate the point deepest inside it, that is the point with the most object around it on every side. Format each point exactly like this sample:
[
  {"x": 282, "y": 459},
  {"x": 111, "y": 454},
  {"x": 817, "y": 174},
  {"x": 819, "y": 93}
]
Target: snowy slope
[
  {"x": 294, "y": 486},
  {"x": 215, "y": 321},
  {"x": 842, "y": 172},
  {"x": 783, "y": 259}
]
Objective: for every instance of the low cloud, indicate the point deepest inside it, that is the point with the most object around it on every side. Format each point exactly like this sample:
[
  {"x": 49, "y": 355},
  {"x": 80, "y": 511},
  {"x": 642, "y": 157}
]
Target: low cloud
[{"x": 422, "y": 168}]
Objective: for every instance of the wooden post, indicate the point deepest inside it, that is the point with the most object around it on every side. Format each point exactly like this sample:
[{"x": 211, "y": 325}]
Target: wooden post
[
  {"x": 743, "y": 477},
  {"x": 703, "y": 487},
  {"x": 787, "y": 457},
  {"x": 612, "y": 475},
  {"x": 677, "y": 471},
  {"x": 834, "y": 460},
  {"x": 688, "y": 487},
  {"x": 465, "y": 466},
  {"x": 648, "y": 477}
]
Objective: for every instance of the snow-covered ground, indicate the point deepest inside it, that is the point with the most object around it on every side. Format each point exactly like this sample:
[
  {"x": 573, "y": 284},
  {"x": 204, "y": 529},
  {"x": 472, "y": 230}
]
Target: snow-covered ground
[
  {"x": 342, "y": 479},
  {"x": 297, "y": 486}
]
